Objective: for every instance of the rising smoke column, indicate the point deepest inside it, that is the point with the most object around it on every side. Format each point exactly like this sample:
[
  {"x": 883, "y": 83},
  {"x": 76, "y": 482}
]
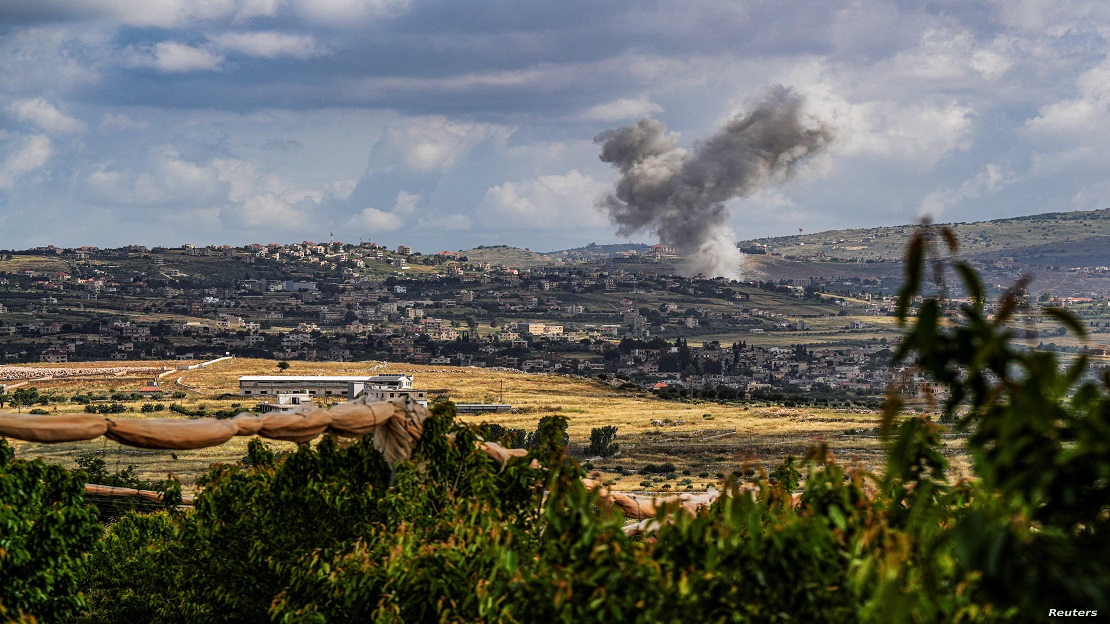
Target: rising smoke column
[{"x": 680, "y": 195}]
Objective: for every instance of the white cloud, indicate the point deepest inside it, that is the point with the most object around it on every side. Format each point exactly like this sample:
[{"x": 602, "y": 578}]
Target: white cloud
[
  {"x": 376, "y": 220},
  {"x": 32, "y": 154},
  {"x": 991, "y": 179},
  {"x": 267, "y": 201},
  {"x": 120, "y": 121},
  {"x": 170, "y": 181},
  {"x": 269, "y": 45},
  {"x": 173, "y": 57},
  {"x": 1081, "y": 117},
  {"x": 406, "y": 203},
  {"x": 624, "y": 108},
  {"x": 266, "y": 210},
  {"x": 346, "y": 12},
  {"x": 546, "y": 202},
  {"x": 991, "y": 64},
  {"x": 341, "y": 189},
  {"x": 161, "y": 14},
  {"x": 46, "y": 116},
  {"x": 435, "y": 142},
  {"x": 921, "y": 131}
]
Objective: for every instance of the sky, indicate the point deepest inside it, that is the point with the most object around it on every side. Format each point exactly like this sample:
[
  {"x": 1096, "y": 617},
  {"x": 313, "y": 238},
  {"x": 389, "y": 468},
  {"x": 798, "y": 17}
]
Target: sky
[{"x": 446, "y": 125}]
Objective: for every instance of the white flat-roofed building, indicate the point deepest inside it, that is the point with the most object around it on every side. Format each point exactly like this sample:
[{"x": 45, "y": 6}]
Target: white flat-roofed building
[{"x": 383, "y": 387}]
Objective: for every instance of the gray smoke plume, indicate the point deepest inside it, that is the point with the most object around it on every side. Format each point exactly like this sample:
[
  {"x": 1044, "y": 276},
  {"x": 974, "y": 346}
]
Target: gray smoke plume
[{"x": 680, "y": 195}]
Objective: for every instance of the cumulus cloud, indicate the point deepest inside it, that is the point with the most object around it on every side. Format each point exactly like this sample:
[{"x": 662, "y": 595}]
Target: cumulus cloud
[
  {"x": 170, "y": 181},
  {"x": 912, "y": 88},
  {"x": 922, "y": 131},
  {"x": 1079, "y": 116},
  {"x": 992, "y": 179},
  {"x": 30, "y": 154},
  {"x": 623, "y": 108},
  {"x": 547, "y": 202},
  {"x": 377, "y": 220},
  {"x": 121, "y": 121},
  {"x": 258, "y": 200},
  {"x": 345, "y": 12},
  {"x": 161, "y": 14},
  {"x": 173, "y": 57},
  {"x": 46, "y": 116},
  {"x": 435, "y": 142},
  {"x": 269, "y": 45}
]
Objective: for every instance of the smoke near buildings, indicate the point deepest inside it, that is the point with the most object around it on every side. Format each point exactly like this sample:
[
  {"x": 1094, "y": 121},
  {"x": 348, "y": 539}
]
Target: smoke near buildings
[{"x": 681, "y": 194}]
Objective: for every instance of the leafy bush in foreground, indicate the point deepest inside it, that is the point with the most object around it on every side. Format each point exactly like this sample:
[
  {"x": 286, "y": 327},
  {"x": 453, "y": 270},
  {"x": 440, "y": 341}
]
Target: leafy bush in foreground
[{"x": 45, "y": 534}]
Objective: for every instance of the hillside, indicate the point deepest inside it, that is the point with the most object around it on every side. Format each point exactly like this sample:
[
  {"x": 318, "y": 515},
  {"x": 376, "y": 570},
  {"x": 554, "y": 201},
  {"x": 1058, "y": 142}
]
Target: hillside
[
  {"x": 505, "y": 255},
  {"x": 703, "y": 436},
  {"x": 593, "y": 251},
  {"x": 1066, "y": 239}
]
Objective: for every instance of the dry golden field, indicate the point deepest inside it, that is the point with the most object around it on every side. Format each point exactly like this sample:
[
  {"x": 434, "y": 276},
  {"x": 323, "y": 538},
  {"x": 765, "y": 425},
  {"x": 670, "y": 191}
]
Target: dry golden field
[{"x": 699, "y": 438}]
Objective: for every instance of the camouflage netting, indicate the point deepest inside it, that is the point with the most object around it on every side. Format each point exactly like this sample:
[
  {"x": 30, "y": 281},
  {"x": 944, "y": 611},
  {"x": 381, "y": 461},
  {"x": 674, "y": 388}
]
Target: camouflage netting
[{"x": 397, "y": 426}]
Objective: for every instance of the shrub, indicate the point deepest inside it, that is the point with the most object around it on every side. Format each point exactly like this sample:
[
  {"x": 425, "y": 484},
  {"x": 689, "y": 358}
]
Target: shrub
[{"x": 601, "y": 442}]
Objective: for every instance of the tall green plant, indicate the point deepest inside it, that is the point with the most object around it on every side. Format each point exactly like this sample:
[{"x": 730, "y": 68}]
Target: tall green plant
[{"x": 1039, "y": 435}]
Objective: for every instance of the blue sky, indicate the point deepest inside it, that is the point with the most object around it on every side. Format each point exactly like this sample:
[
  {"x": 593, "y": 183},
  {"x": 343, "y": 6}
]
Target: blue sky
[{"x": 446, "y": 125}]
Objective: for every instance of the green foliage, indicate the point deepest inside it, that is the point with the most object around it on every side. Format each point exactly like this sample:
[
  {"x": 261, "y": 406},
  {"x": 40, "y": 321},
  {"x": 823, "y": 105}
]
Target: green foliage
[
  {"x": 201, "y": 411},
  {"x": 601, "y": 442},
  {"x": 92, "y": 468},
  {"x": 1039, "y": 436},
  {"x": 666, "y": 467},
  {"x": 105, "y": 408},
  {"x": 266, "y": 541},
  {"x": 45, "y": 532}
]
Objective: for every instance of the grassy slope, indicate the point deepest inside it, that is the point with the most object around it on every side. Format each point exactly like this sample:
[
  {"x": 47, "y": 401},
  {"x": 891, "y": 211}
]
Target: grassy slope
[
  {"x": 506, "y": 256},
  {"x": 1001, "y": 236},
  {"x": 711, "y": 438}
]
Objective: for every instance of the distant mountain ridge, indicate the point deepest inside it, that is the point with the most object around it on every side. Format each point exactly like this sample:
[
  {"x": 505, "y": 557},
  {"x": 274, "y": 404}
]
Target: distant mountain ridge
[
  {"x": 1058, "y": 238},
  {"x": 1064, "y": 239}
]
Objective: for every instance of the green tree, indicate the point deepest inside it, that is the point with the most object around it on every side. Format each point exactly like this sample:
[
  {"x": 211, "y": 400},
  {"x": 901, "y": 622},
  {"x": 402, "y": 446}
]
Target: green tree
[
  {"x": 283, "y": 366},
  {"x": 45, "y": 532},
  {"x": 601, "y": 441}
]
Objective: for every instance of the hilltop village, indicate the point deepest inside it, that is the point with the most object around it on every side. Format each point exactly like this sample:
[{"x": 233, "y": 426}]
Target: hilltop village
[{"x": 626, "y": 318}]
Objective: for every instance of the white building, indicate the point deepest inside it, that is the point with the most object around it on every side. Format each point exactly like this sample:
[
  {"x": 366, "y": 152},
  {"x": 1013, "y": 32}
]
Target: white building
[{"x": 383, "y": 387}]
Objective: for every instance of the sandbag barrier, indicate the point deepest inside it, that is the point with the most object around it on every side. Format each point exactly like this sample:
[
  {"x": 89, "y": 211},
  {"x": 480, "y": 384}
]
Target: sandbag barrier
[{"x": 397, "y": 426}]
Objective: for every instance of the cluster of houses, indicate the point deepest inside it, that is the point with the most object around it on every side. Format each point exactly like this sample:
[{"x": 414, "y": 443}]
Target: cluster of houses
[{"x": 311, "y": 301}]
